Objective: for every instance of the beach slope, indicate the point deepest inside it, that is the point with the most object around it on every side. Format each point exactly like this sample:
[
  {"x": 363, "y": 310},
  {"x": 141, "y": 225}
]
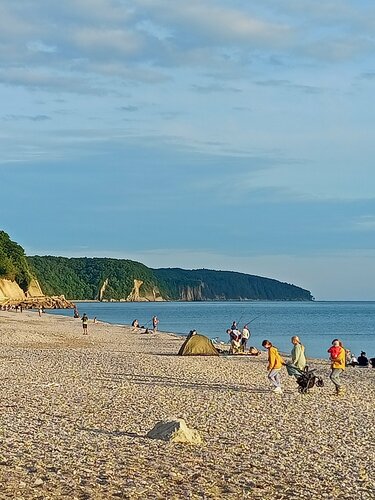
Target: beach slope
[{"x": 75, "y": 411}]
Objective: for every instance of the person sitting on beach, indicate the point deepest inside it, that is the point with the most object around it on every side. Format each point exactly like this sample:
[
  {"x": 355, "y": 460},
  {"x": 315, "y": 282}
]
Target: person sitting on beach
[
  {"x": 253, "y": 351},
  {"x": 353, "y": 361},
  {"x": 135, "y": 323},
  {"x": 372, "y": 361},
  {"x": 85, "y": 321},
  {"x": 298, "y": 353},
  {"x": 275, "y": 362},
  {"x": 363, "y": 360}
]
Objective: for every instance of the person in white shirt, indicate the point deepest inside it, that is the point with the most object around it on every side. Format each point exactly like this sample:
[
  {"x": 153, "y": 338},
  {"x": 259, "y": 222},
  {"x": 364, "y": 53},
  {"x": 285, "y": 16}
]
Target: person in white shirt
[{"x": 245, "y": 337}]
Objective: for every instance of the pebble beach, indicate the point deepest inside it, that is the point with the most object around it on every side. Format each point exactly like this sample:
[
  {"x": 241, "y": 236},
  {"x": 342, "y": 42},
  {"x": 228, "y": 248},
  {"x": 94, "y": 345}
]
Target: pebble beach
[{"x": 75, "y": 411}]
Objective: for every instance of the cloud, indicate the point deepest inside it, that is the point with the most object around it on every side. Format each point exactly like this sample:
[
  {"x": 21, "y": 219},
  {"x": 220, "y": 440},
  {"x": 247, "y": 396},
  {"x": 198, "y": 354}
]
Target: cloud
[
  {"x": 214, "y": 23},
  {"x": 214, "y": 87},
  {"x": 33, "y": 118},
  {"x": 48, "y": 80},
  {"x": 129, "y": 108},
  {"x": 38, "y": 46},
  {"x": 287, "y": 84}
]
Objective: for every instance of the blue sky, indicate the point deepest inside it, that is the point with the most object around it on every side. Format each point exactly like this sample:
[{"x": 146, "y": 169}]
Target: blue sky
[{"x": 223, "y": 134}]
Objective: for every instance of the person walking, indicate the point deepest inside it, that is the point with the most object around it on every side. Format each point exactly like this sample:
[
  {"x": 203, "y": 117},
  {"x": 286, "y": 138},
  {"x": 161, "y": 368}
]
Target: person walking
[
  {"x": 85, "y": 321},
  {"x": 275, "y": 362},
  {"x": 337, "y": 367},
  {"x": 298, "y": 353}
]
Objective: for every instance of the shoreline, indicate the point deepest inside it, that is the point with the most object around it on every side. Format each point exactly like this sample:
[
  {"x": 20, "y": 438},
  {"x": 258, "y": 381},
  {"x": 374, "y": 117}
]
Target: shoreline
[{"x": 76, "y": 410}]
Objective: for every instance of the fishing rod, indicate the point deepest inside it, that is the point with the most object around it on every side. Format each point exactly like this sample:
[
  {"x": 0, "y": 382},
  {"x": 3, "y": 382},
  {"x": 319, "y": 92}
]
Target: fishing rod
[{"x": 256, "y": 317}]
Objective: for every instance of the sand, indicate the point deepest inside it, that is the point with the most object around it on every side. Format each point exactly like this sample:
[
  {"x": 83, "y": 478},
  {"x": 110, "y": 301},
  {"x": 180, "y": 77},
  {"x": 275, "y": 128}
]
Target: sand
[{"x": 75, "y": 411}]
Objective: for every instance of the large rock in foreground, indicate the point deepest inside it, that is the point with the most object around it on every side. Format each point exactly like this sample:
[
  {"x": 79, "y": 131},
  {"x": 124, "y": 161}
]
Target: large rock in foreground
[{"x": 175, "y": 431}]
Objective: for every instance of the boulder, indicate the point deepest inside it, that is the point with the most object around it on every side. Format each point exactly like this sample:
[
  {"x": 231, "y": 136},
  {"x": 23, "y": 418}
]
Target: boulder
[{"x": 175, "y": 431}]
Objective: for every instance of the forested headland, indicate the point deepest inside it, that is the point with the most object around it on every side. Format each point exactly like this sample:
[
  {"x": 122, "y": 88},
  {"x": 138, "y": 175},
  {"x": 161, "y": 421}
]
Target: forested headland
[{"x": 94, "y": 278}]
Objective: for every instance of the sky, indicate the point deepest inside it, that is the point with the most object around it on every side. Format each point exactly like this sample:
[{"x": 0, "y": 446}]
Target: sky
[{"x": 234, "y": 135}]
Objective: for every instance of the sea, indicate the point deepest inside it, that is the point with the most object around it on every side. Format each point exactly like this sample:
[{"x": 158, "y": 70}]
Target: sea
[{"x": 316, "y": 323}]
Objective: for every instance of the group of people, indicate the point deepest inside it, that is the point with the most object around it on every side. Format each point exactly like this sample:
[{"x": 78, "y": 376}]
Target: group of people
[
  {"x": 238, "y": 338},
  {"x": 155, "y": 325},
  {"x": 338, "y": 356},
  {"x": 362, "y": 361},
  {"x": 135, "y": 323}
]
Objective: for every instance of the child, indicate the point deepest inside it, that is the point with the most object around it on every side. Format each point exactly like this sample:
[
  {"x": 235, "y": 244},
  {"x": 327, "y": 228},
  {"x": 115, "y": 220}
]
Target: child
[
  {"x": 85, "y": 320},
  {"x": 334, "y": 350},
  {"x": 275, "y": 362}
]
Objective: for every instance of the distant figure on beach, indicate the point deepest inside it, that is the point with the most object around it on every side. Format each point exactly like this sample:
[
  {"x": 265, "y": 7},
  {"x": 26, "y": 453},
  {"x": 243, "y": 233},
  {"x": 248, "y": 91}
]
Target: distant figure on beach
[
  {"x": 85, "y": 321},
  {"x": 363, "y": 360},
  {"x": 94, "y": 320},
  {"x": 40, "y": 310},
  {"x": 372, "y": 361},
  {"x": 234, "y": 325},
  {"x": 275, "y": 362},
  {"x": 155, "y": 323},
  {"x": 135, "y": 323},
  {"x": 298, "y": 353},
  {"x": 353, "y": 361},
  {"x": 337, "y": 357},
  {"x": 75, "y": 313},
  {"x": 245, "y": 337}
]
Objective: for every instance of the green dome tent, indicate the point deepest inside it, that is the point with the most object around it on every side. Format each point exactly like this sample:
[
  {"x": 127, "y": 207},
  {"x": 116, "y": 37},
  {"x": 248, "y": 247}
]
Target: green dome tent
[{"x": 197, "y": 345}]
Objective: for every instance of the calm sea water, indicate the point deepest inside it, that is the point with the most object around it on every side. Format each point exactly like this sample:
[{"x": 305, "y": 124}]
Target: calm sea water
[{"x": 317, "y": 323}]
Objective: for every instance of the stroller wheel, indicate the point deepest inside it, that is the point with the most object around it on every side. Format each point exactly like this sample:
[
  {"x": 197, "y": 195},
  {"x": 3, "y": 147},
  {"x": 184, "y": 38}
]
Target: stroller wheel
[
  {"x": 320, "y": 382},
  {"x": 302, "y": 390}
]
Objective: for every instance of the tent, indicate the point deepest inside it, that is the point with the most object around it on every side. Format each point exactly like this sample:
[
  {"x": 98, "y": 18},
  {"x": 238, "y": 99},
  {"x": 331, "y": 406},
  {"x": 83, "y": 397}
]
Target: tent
[{"x": 197, "y": 345}]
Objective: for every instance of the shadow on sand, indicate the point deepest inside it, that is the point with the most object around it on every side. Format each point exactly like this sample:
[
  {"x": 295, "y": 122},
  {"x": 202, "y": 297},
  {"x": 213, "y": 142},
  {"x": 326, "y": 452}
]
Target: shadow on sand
[{"x": 155, "y": 380}]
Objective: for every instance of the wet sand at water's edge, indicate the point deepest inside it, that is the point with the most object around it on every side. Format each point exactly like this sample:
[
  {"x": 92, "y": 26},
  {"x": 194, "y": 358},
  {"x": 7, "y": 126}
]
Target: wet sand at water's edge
[{"x": 75, "y": 411}]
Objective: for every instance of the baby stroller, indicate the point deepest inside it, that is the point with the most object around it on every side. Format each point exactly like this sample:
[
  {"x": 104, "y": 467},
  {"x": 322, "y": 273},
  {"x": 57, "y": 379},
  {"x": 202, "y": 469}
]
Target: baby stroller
[{"x": 306, "y": 379}]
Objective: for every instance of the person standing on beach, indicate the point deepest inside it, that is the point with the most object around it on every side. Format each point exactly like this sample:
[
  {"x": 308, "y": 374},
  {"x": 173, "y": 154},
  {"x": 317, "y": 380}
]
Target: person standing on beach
[
  {"x": 337, "y": 366},
  {"x": 298, "y": 353},
  {"x": 155, "y": 323},
  {"x": 245, "y": 337},
  {"x": 85, "y": 321},
  {"x": 275, "y": 362}
]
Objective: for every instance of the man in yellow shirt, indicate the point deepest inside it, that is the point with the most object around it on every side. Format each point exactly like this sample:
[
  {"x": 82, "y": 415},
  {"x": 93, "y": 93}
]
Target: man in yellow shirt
[
  {"x": 337, "y": 368},
  {"x": 275, "y": 362}
]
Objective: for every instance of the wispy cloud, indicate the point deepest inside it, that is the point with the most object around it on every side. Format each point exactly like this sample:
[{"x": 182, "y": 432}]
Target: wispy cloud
[
  {"x": 208, "y": 89},
  {"x": 33, "y": 118},
  {"x": 287, "y": 84}
]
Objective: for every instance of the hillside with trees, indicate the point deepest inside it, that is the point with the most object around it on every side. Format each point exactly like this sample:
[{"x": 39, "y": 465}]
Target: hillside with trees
[
  {"x": 121, "y": 279},
  {"x": 206, "y": 284},
  {"x": 84, "y": 278},
  {"x": 14, "y": 265}
]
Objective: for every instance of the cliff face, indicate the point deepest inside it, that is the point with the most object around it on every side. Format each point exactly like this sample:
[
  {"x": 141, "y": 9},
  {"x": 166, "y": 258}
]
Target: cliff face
[
  {"x": 9, "y": 291},
  {"x": 192, "y": 293}
]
